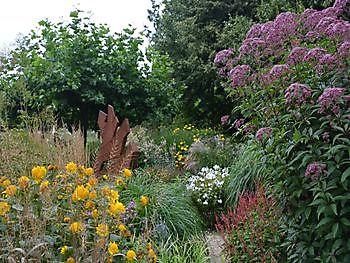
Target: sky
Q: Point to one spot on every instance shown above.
(20, 16)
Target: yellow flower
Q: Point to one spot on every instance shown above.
(93, 181)
(4, 208)
(116, 207)
(144, 200)
(176, 130)
(106, 191)
(70, 260)
(105, 176)
(80, 193)
(52, 167)
(71, 167)
(114, 196)
(89, 171)
(64, 250)
(152, 255)
(38, 173)
(122, 227)
(4, 181)
(130, 255)
(76, 227)
(23, 182)
(44, 186)
(127, 173)
(92, 195)
(113, 248)
(119, 181)
(10, 190)
(102, 230)
(94, 214)
(89, 205)
(66, 219)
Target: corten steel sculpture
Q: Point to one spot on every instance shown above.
(114, 155)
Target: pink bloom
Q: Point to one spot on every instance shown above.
(297, 93)
(343, 49)
(296, 55)
(339, 30)
(314, 54)
(315, 170)
(224, 119)
(222, 56)
(330, 98)
(278, 71)
(238, 123)
(239, 75)
(263, 132)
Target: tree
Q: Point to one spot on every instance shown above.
(79, 67)
(192, 31)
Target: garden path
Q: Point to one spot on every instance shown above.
(215, 244)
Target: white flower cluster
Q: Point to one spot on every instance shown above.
(207, 185)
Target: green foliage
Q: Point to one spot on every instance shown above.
(177, 250)
(171, 208)
(251, 230)
(247, 169)
(79, 67)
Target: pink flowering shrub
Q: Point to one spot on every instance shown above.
(291, 76)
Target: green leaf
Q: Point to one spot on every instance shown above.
(345, 221)
(334, 209)
(335, 228)
(345, 175)
(324, 221)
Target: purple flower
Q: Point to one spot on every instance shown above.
(222, 56)
(297, 93)
(314, 54)
(224, 119)
(296, 55)
(340, 4)
(324, 23)
(255, 31)
(331, 12)
(312, 35)
(286, 23)
(330, 98)
(238, 123)
(339, 30)
(315, 170)
(310, 18)
(239, 75)
(278, 71)
(130, 212)
(263, 132)
(343, 49)
(325, 136)
(252, 46)
(327, 61)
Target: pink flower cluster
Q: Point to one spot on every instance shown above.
(296, 55)
(239, 75)
(224, 119)
(297, 94)
(263, 132)
(329, 99)
(315, 170)
(222, 56)
(344, 50)
(238, 123)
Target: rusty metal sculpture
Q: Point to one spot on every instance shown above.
(114, 155)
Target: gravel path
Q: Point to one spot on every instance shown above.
(215, 244)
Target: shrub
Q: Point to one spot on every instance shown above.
(291, 79)
(251, 230)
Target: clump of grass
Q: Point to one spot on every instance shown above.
(176, 250)
(173, 211)
(246, 171)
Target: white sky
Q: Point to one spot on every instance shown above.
(20, 16)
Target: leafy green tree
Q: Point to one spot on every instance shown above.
(192, 31)
(79, 67)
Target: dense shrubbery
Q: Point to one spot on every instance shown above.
(251, 231)
(291, 78)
